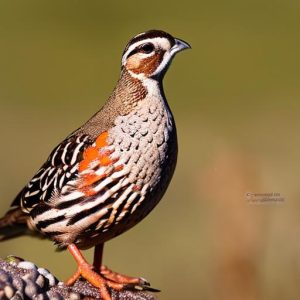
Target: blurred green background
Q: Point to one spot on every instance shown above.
(235, 97)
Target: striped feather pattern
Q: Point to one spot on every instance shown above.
(112, 171)
(53, 177)
(93, 190)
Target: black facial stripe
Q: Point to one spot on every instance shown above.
(143, 48)
(134, 51)
(148, 35)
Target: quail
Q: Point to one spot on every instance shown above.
(111, 172)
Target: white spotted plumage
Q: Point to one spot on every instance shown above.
(130, 171)
(110, 173)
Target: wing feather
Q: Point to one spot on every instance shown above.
(60, 167)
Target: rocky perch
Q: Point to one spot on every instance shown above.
(21, 279)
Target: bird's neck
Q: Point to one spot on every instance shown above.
(131, 90)
(127, 95)
(128, 92)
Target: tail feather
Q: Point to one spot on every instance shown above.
(13, 224)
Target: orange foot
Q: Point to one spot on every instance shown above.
(124, 279)
(106, 279)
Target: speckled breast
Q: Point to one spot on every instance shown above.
(144, 143)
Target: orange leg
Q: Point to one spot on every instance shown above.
(86, 271)
(113, 276)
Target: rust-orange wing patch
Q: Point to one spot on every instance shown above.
(95, 157)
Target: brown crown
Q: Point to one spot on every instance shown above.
(148, 35)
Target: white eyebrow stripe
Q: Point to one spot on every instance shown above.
(162, 42)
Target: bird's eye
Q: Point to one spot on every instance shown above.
(147, 48)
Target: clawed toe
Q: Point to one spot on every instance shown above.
(122, 282)
(149, 289)
(143, 281)
(123, 279)
(105, 279)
